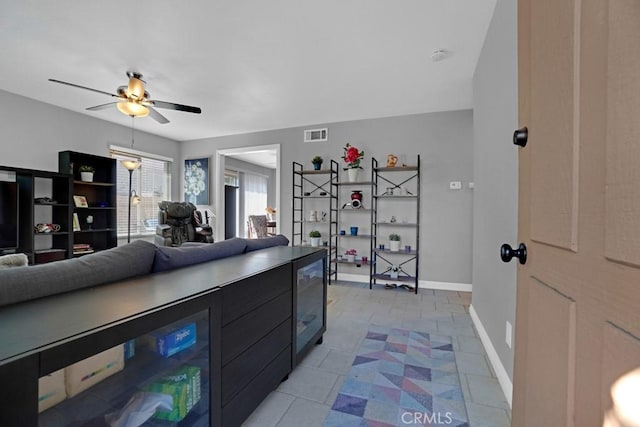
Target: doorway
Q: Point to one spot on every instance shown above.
(264, 156)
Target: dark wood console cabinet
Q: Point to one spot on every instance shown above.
(244, 310)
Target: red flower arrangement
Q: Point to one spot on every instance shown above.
(352, 156)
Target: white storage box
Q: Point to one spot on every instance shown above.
(51, 390)
(90, 371)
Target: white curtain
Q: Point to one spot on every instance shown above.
(255, 195)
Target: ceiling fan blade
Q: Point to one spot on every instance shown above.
(83, 87)
(153, 113)
(179, 107)
(102, 106)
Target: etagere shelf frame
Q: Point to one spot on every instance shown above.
(384, 260)
(315, 188)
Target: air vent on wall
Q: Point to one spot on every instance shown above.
(316, 135)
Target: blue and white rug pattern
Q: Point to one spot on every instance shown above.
(400, 378)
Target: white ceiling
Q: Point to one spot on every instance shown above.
(250, 65)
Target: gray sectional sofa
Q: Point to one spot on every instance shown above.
(132, 260)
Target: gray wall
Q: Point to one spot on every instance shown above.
(33, 132)
(495, 204)
(444, 141)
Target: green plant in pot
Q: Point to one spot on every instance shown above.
(86, 173)
(315, 235)
(317, 162)
(394, 242)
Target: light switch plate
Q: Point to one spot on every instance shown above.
(455, 185)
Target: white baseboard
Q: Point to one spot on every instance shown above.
(498, 367)
(425, 284)
(445, 286)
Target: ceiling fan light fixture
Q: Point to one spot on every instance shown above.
(133, 109)
(135, 89)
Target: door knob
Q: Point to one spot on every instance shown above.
(507, 253)
(520, 136)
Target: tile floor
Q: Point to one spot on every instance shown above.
(306, 397)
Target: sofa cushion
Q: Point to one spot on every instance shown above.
(266, 242)
(122, 262)
(168, 258)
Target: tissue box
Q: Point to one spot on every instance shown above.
(183, 385)
(51, 390)
(170, 342)
(90, 371)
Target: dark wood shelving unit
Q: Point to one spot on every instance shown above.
(101, 195)
(33, 184)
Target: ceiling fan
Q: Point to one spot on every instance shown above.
(133, 100)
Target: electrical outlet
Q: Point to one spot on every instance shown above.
(455, 185)
(509, 333)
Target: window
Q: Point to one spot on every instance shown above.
(255, 194)
(151, 182)
(231, 178)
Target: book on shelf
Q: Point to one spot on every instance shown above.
(76, 222)
(82, 251)
(82, 248)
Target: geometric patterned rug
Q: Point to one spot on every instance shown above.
(400, 378)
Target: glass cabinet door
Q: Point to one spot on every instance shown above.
(157, 379)
(310, 294)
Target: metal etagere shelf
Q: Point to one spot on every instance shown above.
(351, 215)
(317, 190)
(403, 265)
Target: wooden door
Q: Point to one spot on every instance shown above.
(578, 298)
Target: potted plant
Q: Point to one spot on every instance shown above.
(315, 238)
(352, 157)
(317, 162)
(394, 242)
(86, 173)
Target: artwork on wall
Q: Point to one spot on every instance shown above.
(196, 181)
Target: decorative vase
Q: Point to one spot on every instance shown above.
(86, 176)
(356, 195)
(353, 174)
(316, 166)
(315, 241)
(351, 258)
(394, 245)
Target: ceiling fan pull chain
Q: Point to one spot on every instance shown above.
(132, 127)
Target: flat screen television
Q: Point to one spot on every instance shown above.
(8, 215)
